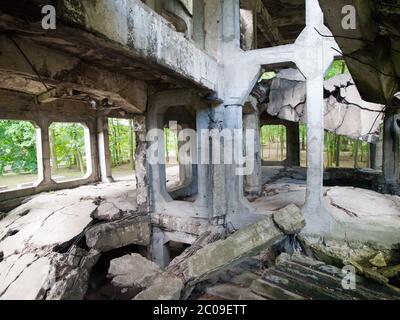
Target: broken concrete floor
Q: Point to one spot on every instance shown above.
(359, 215)
(50, 244)
(88, 243)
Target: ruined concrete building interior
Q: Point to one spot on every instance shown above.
(199, 150)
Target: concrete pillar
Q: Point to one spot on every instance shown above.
(90, 152)
(198, 23)
(231, 23)
(293, 144)
(142, 186)
(185, 169)
(315, 144)
(376, 155)
(156, 158)
(104, 149)
(187, 165)
(253, 182)
(313, 61)
(44, 157)
(235, 181)
(391, 131)
(159, 248)
(203, 156)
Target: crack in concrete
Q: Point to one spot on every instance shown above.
(17, 277)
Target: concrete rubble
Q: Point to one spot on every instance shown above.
(133, 271)
(201, 229)
(50, 244)
(206, 261)
(164, 287)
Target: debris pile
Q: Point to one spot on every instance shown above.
(50, 244)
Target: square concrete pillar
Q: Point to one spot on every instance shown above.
(391, 131)
(198, 23)
(253, 182)
(159, 248)
(43, 146)
(104, 149)
(203, 155)
(142, 185)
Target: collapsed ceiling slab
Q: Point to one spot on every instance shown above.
(346, 113)
(372, 48)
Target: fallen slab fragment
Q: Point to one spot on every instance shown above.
(108, 211)
(108, 236)
(165, 287)
(315, 280)
(390, 272)
(244, 243)
(290, 220)
(378, 261)
(231, 292)
(133, 271)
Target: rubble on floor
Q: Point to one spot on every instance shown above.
(133, 271)
(379, 265)
(293, 277)
(164, 287)
(358, 215)
(52, 253)
(50, 244)
(211, 253)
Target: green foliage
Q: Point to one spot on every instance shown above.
(338, 67)
(171, 144)
(121, 133)
(68, 141)
(17, 146)
(267, 76)
(272, 133)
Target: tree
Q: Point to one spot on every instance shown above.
(17, 146)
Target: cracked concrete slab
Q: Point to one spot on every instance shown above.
(358, 214)
(39, 239)
(28, 285)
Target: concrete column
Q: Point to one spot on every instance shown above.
(104, 149)
(315, 144)
(314, 57)
(376, 155)
(231, 23)
(253, 182)
(187, 166)
(198, 23)
(391, 131)
(44, 157)
(156, 147)
(293, 144)
(159, 249)
(142, 186)
(233, 180)
(203, 156)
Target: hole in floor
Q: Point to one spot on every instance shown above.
(100, 286)
(176, 249)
